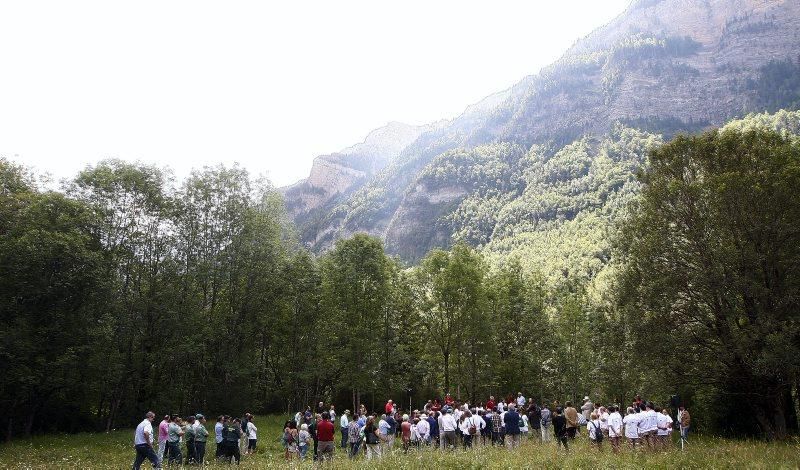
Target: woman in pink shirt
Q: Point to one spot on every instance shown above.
(163, 430)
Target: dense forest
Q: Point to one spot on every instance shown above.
(618, 266)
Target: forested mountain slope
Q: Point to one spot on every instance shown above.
(548, 162)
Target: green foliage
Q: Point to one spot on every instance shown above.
(711, 259)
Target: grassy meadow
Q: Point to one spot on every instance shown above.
(114, 450)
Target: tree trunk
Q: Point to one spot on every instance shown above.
(771, 418)
(446, 372)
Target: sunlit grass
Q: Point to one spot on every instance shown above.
(114, 450)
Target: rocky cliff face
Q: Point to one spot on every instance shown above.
(335, 174)
(663, 66)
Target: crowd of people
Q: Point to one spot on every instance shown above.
(448, 424)
(232, 436)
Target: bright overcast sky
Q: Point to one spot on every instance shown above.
(267, 84)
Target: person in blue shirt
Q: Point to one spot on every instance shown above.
(434, 424)
(512, 420)
(392, 430)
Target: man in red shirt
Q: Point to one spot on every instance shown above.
(389, 408)
(490, 404)
(325, 438)
(448, 400)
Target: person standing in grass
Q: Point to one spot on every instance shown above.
(424, 429)
(200, 438)
(664, 422)
(684, 420)
(303, 441)
(497, 428)
(587, 408)
(384, 428)
(631, 423)
(571, 415)
(353, 438)
(372, 438)
(594, 431)
(252, 437)
(173, 440)
(523, 428)
(232, 434)
(468, 430)
(433, 424)
(546, 419)
(312, 429)
(291, 440)
(325, 434)
(143, 442)
(512, 425)
(218, 427)
(188, 437)
(405, 433)
(343, 425)
(648, 426)
(535, 420)
(614, 428)
(560, 428)
(520, 401)
(163, 430)
(448, 427)
(486, 434)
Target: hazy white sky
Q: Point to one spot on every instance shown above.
(267, 84)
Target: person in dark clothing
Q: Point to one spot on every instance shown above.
(560, 428)
(231, 434)
(512, 420)
(433, 422)
(188, 437)
(312, 429)
(486, 432)
(535, 419)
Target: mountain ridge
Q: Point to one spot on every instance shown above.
(661, 67)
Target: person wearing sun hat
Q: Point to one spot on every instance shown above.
(588, 406)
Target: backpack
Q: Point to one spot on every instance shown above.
(598, 434)
(472, 428)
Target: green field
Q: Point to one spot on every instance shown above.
(113, 450)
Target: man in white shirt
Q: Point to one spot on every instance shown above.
(448, 426)
(664, 421)
(631, 423)
(344, 422)
(424, 429)
(614, 428)
(143, 443)
(648, 425)
(520, 401)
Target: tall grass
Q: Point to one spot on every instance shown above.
(114, 450)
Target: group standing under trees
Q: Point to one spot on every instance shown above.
(121, 262)
(449, 424)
